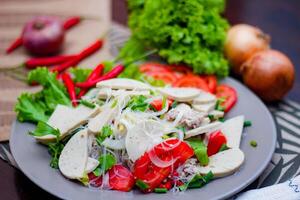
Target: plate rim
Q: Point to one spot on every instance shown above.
(230, 193)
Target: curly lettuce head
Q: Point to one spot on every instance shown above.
(184, 31)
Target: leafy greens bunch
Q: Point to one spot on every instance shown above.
(183, 31)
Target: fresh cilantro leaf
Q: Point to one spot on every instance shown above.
(55, 149)
(43, 129)
(138, 103)
(106, 131)
(106, 162)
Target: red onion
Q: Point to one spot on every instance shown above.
(43, 35)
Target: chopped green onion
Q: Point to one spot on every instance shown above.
(164, 102)
(160, 190)
(222, 119)
(174, 104)
(141, 184)
(211, 117)
(247, 123)
(218, 104)
(223, 147)
(87, 103)
(253, 143)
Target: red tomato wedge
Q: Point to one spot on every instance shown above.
(157, 104)
(229, 94)
(211, 82)
(121, 178)
(215, 142)
(192, 81)
(170, 153)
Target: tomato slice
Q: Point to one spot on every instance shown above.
(95, 181)
(167, 77)
(192, 81)
(215, 142)
(212, 82)
(169, 150)
(229, 94)
(120, 178)
(157, 104)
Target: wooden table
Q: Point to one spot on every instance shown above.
(279, 18)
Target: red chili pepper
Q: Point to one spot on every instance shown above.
(82, 55)
(215, 142)
(111, 74)
(70, 87)
(71, 22)
(47, 61)
(17, 43)
(96, 73)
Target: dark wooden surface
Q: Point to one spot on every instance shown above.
(279, 18)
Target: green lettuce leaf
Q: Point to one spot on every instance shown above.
(80, 74)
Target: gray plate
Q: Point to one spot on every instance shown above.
(33, 159)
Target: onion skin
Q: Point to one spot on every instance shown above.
(270, 74)
(242, 42)
(43, 36)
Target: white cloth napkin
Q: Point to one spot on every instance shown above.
(289, 190)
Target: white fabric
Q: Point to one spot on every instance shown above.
(289, 190)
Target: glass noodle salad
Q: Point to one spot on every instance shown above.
(127, 134)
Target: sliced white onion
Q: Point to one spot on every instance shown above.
(117, 144)
(158, 162)
(105, 182)
(177, 119)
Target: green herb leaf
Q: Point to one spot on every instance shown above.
(106, 131)
(55, 149)
(43, 129)
(137, 103)
(106, 162)
(29, 108)
(39, 106)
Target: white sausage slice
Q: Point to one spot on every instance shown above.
(204, 98)
(73, 159)
(123, 83)
(91, 165)
(233, 129)
(214, 126)
(223, 163)
(180, 94)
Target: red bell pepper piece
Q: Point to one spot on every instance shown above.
(215, 142)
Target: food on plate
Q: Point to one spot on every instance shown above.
(43, 35)
(242, 42)
(270, 74)
(127, 133)
(194, 36)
